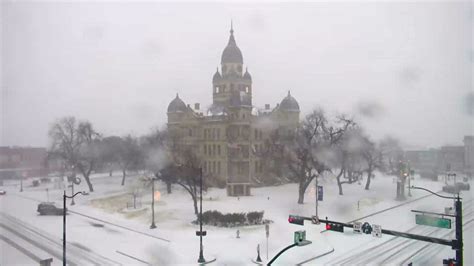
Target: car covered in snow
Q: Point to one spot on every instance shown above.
(463, 186)
(49, 208)
(451, 189)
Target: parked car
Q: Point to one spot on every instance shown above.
(48, 208)
(463, 186)
(3, 192)
(451, 189)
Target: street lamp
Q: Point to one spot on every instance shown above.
(201, 233)
(64, 221)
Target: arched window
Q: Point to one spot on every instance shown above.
(217, 89)
(247, 89)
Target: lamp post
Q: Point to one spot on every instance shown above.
(201, 233)
(64, 221)
(153, 225)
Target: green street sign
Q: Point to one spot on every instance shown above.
(432, 221)
(299, 236)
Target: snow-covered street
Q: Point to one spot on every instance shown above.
(100, 230)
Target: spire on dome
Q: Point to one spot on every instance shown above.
(232, 53)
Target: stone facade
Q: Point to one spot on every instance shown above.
(228, 135)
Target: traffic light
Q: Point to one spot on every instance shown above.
(293, 219)
(335, 227)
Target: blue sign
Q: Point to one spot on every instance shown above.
(320, 193)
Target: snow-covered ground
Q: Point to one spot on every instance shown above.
(102, 230)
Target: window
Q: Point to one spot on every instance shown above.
(205, 149)
(205, 166)
(256, 133)
(214, 166)
(214, 149)
(260, 134)
(256, 167)
(247, 89)
(190, 132)
(218, 167)
(239, 168)
(217, 89)
(218, 133)
(219, 150)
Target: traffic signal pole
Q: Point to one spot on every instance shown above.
(459, 248)
(451, 243)
(456, 244)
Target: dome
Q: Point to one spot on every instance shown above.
(177, 105)
(247, 75)
(232, 53)
(217, 77)
(289, 104)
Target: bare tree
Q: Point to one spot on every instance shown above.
(77, 143)
(373, 159)
(348, 157)
(311, 150)
(130, 155)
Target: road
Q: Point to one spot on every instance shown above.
(32, 238)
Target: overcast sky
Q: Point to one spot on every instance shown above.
(403, 69)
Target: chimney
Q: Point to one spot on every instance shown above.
(196, 106)
(267, 106)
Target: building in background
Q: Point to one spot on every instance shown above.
(16, 162)
(228, 135)
(457, 159)
(469, 155)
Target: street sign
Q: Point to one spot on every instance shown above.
(198, 233)
(267, 230)
(357, 227)
(315, 220)
(320, 193)
(300, 238)
(377, 230)
(432, 221)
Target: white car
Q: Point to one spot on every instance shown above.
(3, 192)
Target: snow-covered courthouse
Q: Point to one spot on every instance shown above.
(229, 135)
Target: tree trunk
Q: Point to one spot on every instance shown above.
(301, 190)
(86, 177)
(196, 211)
(369, 175)
(300, 196)
(339, 183)
(168, 187)
(124, 174)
